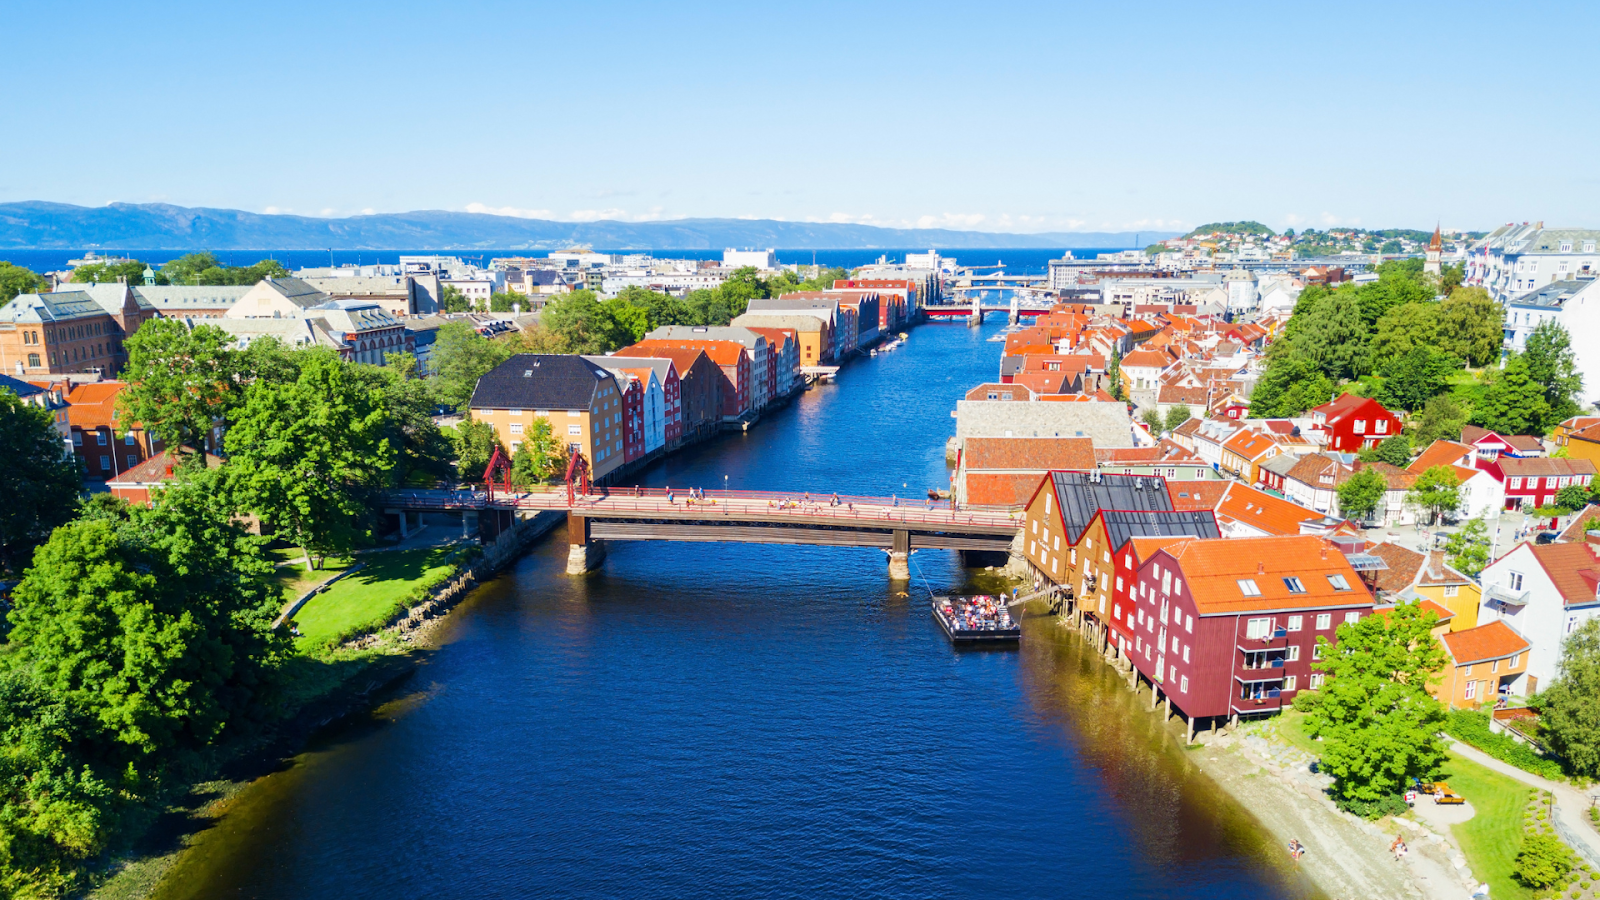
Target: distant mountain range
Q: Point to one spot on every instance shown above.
(40, 225)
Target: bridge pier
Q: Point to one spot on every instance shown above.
(584, 553)
(900, 557)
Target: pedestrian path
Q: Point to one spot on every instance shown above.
(1572, 805)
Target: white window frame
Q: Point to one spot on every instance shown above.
(1324, 621)
(1295, 623)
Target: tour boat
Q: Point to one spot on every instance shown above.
(981, 619)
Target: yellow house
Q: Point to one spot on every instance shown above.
(1429, 578)
(1576, 423)
(1482, 661)
(1583, 443)
(580, 400)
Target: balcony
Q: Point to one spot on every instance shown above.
(1270, 671)
(1268, 702)
(1275, 640)
(1506, 595)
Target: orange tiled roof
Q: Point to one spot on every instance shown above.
(1249, 444)
(1573, 568)
(723, 353)
(1440, 453)
(1264, 511)
(987, 489)
(95, 405)
(1031, 454)
(1015, 391)
(1214, 568)
(1495, 640)
(1404, 564)
(1580, 526)
(156, 469)
(1197, 494)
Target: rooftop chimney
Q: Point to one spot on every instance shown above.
(1261, 568)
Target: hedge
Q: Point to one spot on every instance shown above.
(1472, 727)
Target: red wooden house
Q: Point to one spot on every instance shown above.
(1352, 422)
(1533, 482)
(1229, 627)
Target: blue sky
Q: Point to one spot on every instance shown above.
(995, 116)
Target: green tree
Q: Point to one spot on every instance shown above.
(268, 359)
(1334, 336)
(1394, 450)
(539, 457)
(660, 309)
(586, 324)
(304, 454)
(205, 268)
(460, 357)
(1442, 419)
(503, 302)
(58, 804)
(1375, 715)
(16, 280)
(1114, 372)
(180, 380)
(1554, 367)
(158, 627)
(1468, 549)
(1361, 494)
(1450, 277)
(451, 300)
(131, 271)
(39, 480)
(1291, 385)
(1572, 498)
(421, 452)
(1513, 403)
(1544, 862)
(1415, 377)
(1570, 707)
(1437, 490)
(1402, 329)
(1177, 415)
(1399, 283)
(1471, 326)
(475, 443)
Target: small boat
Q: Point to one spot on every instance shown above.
(981, 619)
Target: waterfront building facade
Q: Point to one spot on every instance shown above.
(582, 402)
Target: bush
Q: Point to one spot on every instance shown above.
(1392, 805)
(1472, 727)
(1306, 701)
(1543, 862)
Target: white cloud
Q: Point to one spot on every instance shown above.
(273, 211)
(510, 211)
(368, 211)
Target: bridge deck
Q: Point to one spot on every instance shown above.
(753, 517)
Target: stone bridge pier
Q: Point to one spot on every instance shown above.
(584, 552)
(900, 557)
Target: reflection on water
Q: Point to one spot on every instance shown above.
(748, 720)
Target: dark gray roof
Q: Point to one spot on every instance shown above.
(1011, 365)
(20, 388)
(539, 381)
(1122, 525)
(1082, 494)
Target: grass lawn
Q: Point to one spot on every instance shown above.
(1494, 835)
(370, 595)
(1290, 725)
(293, 580)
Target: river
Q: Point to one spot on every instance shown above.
(704, 720)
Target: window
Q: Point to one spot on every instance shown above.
(1177, 587)
(33, 360)
(1572, 623)
(1257, 628)
(1175, 644)
(1494, 666)
(574, 429)
(1451, 590)
(1316, 680)
(1294, 622)
(1472, 690)
(1188, 624)
(1361, 426)
(1338, 581)
(100, 438)
(1166, 583)
(105, 463)
(516, 427)
(1350, 618)
(516, 412)
(1382, 425)
(1289, 682)
(1293, 654)
(1119, 583)
(77, 439)
(1248, 587)
(1294, 585)
(1185, 654)
(1515, 658)
(1035, 524)
(1324, 621)
(1514, 580)
(1316, 651)
(1516, 484)
(573, 412)
(1183, 685)
(1057, 544)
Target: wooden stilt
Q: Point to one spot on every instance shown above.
(1168, 714)
(1189, 732)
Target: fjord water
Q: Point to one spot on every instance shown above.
(703, 720)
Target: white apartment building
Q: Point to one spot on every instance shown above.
(1516, 259)
(1544, 592)
(760, 259)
